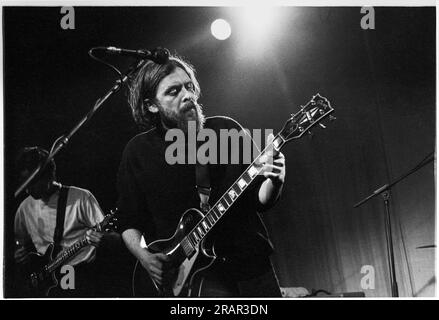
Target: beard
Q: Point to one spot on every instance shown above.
(192, 111)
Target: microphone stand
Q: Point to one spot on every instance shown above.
(384, 191)
(62, 141)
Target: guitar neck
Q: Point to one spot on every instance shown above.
(71, 251)
(67, 254)
(200, 231)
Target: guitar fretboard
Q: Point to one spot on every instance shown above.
(67, 254)
(217, 211)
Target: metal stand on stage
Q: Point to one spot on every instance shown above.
(62, 141)
(385, 192)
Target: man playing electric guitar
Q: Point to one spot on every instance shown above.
(153, 194)
(37, 219)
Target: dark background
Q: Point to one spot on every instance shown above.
(381, 83)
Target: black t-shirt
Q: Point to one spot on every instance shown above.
(154, 194)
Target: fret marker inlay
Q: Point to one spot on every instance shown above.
(252, 171)
(221, 208)
(242, 184)
(232, 194)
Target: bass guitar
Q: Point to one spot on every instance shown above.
(41, 271)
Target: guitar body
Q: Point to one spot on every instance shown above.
(38, 280)
(190, 267)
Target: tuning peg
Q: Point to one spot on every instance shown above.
(322, 125)
(332, 118)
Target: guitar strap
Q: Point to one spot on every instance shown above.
(60, 217)
(203, 186)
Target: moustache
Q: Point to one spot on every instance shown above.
(188, 106)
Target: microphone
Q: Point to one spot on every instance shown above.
(158, 55)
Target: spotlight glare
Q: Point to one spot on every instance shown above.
(221, 29)
(259, 20)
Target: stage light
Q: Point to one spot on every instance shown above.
(221, 29)
(258, 30)
(259, 21)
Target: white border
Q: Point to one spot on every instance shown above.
(225, 3)
(206, 3)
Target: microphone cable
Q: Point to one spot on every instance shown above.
(112, 67)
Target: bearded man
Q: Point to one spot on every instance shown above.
(153, 194)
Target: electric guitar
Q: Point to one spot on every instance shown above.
(41, 271)
(187, 248)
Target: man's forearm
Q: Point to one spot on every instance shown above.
(269, 193)
(132, 238)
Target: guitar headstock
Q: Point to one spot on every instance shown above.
(109, 223)
(317, 109)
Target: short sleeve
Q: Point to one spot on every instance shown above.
(20, 230)
(92, 212)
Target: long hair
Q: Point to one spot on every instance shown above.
(143, 86)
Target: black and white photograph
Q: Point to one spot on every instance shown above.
(265, 150)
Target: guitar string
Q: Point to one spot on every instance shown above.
(74, 248)
(224, 194)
